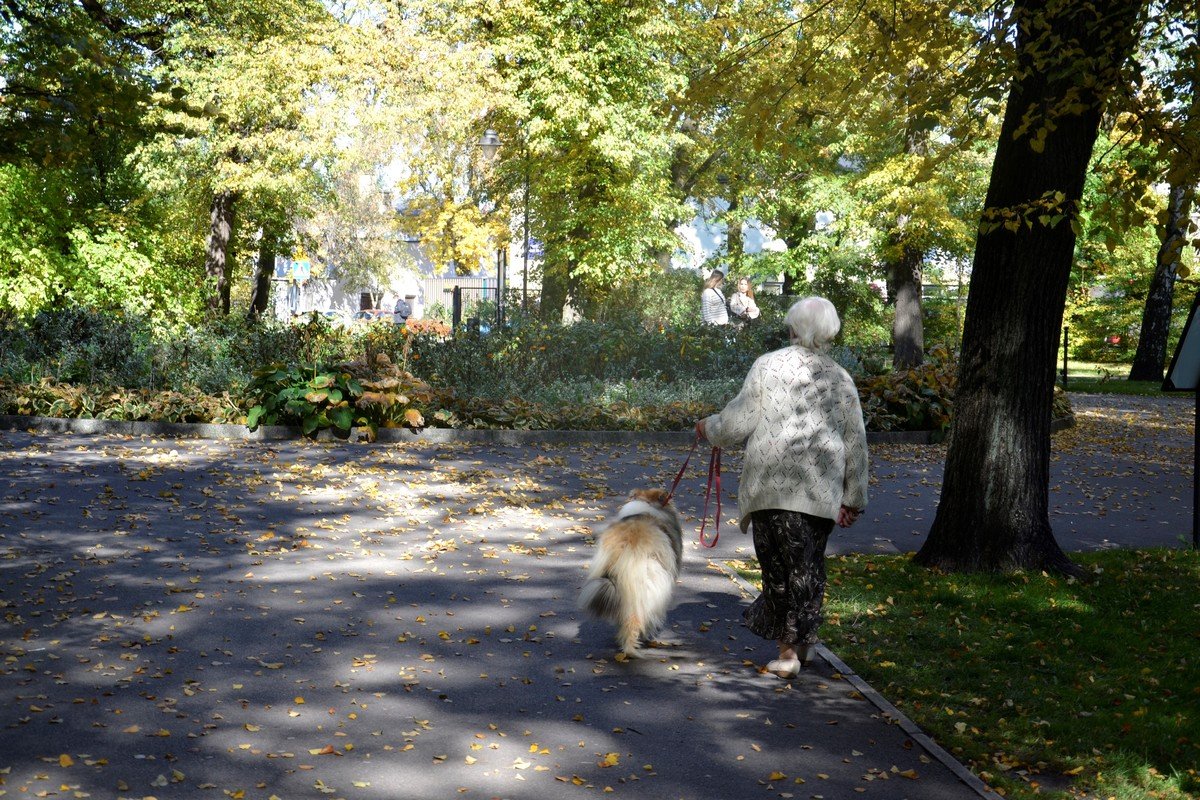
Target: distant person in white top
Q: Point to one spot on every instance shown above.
(712, 301)
(805, 466)
(742, 305)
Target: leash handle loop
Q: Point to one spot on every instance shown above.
(714, 479)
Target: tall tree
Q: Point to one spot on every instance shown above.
(862, 97)
(1151, 355)
(76, 78)
(253, 81)
(436, 105)
(217, 254)
(587, 86)
(1178, 106)
(994, 508)
(78, 225)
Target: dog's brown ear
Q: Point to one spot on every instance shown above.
(656, 496)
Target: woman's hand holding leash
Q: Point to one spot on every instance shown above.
(846, 516)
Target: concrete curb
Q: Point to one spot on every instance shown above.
(185, 430)
(888, 710)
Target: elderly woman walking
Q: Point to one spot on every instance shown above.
(805, 467)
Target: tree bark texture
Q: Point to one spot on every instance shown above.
(554, 293)
(218, 252)
(1151, 356)
(904, 291)
(994, 508)
(735, 246)
(684, 174)
(794, 229)
(264, 270)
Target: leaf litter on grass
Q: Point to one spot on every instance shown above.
(1038, 683)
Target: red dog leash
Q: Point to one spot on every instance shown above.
(714, 477)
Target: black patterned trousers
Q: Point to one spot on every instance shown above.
(791, 553)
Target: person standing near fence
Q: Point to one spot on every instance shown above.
(403, 310)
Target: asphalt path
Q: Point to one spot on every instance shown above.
(200, 618)
(1120, 477)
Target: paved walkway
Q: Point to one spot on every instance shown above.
(191, 618)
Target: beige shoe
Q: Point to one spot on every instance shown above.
(805, 653)
(784, 667)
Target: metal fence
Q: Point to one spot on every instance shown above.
(474, 298)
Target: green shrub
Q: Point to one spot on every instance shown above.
(48, 398)
(663, 299)
(912, 400)
(314, 398)
(531, 353)
(80, 345)
(307, 396)
(622, 373)
(922, 398)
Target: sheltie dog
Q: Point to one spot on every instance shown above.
(638, 556)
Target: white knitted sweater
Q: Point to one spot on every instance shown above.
(806, 445)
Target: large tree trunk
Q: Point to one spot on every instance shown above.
(218, 252)
(264, 270)
(905, 265)
(684, 174)
(735, 245)
(554, 291)
(794, 229)
(1151, 355)
(904, 292)
(994, 509)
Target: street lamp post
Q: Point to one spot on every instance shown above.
(490, 144)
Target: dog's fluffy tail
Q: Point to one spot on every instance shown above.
(599, 597)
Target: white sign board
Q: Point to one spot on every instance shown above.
(1184, 373)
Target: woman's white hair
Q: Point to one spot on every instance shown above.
(812, 322)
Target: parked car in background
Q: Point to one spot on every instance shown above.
(368, 315)
(335, 318)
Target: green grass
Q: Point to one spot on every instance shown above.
(1090, 377)
(1115, 386)
(1040, 684)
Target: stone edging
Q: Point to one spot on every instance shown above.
(889, 711)
(393, 435)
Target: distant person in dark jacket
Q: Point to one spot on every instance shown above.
(403, 310)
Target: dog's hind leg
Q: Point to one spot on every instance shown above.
(628, 632)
